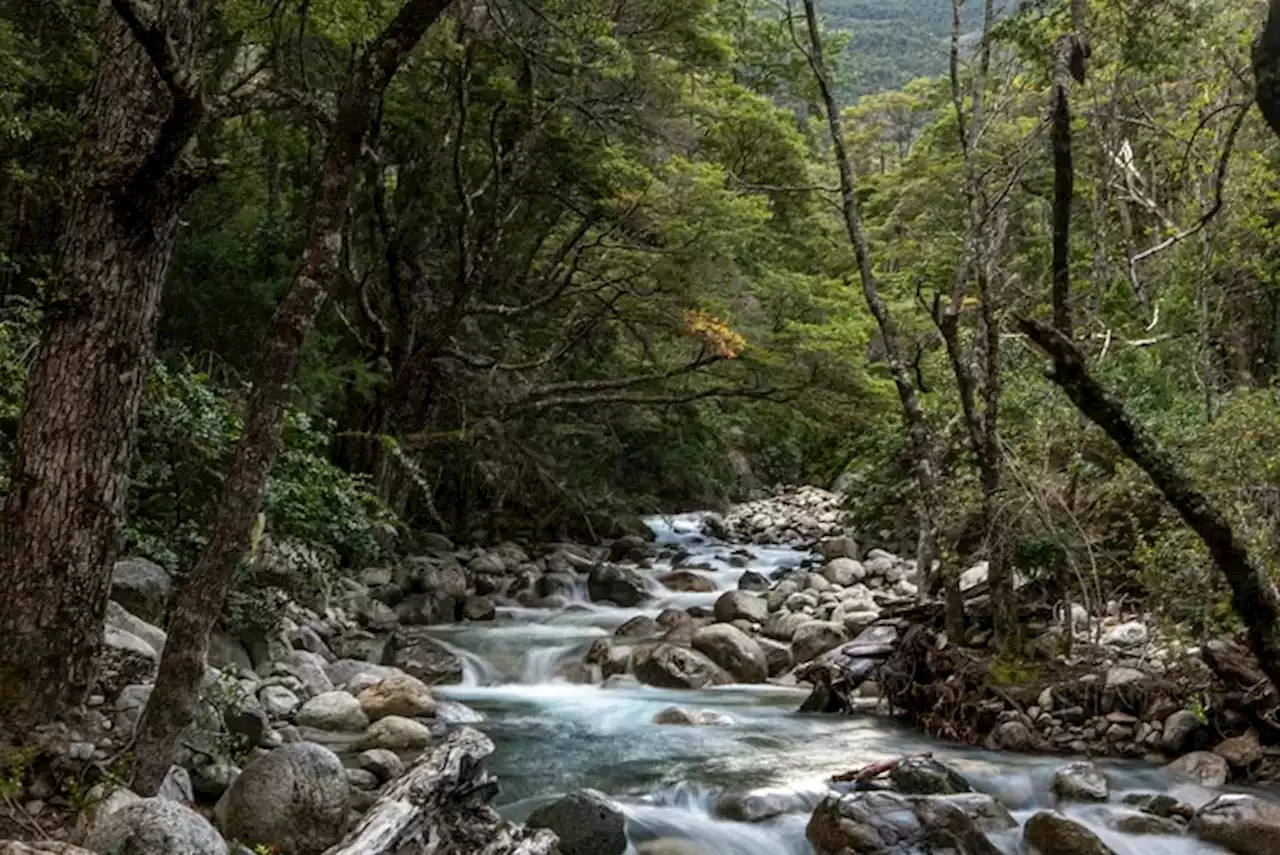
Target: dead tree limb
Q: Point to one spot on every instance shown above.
(440, 802)
(1253, 596)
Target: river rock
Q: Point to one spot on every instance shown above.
(844, 571)
(740, 605)
(333, 711)
(814, 638)
(1178, 728)
(687, 581)
(1054, 834)
(777, 656)
(1081, 782)
(640, 626)
(476, 607)
(752, 581)
(356, 675)
(832, 548)
(1240, 752)
(154, 827)
(587, 822)
(384, 764)
(782, 625)
(397, 733)
(670, 667)
(1131, 634)
(414, 651)
(621, 586)
(1137, 822)
(120, 618)
(294, 798)
(1206, 768)
(682, 717)
(884, 823)
(1120, 677)
(307, 667)
(141, 586)
(210, 780)
(924, 776)
(1243, 824)
(278, 702)
(401, 695)
(734, 651)
(761, 805)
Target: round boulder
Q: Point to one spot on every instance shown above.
(154, 827)
(621, 586)
(741, 605)
(1080, 782)
(734, 651)
(1054, 834)
(397, 733)
(294, 799)
(1243, 824)
(400, 695)
(414, 651)
(817, 637)
(587, 822)
(670, 667)
(333, 711)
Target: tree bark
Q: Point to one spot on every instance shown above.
(204, 590)
(1253, 596)
(1266, 68)
(59, 529)
(922, 444)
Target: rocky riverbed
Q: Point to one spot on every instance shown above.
(664, 677)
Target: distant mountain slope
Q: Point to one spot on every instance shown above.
(894, 41)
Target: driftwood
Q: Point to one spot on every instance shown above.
(440, 806)
(875, 770)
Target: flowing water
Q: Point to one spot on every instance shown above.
(553, 736)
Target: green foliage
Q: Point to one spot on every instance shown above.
(320, 516)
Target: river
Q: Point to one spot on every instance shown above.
(553, 736)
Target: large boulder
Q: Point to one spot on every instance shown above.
(670, 667)
(734, 651)
(885, 823)
(306, 667)
(1054, 834)
(1080, 782)
(587, 823)
(924, 776)
(741, 605)
(816, 637)
(333, 711)
(141, 586)
(415, 652)
(294, 798)
(1206, 768)
(1246, 825)
(1178, 729)
(154, 827)
(621, 586)
(401, 695)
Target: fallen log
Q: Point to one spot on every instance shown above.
(875, 770)
(440, 806)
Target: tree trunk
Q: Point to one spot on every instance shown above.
(60, 526)
(922, 445)
(204, 590)
(1253, 596)
(1266, 68)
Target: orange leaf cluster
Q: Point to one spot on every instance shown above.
(715, 332)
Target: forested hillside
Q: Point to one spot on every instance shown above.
(891, 42)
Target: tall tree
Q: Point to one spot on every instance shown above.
(923, 451)
(204, 590)
(60, 526)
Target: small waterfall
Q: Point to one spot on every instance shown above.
(685, 812)
(541, 663)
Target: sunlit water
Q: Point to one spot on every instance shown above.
(553, 736)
